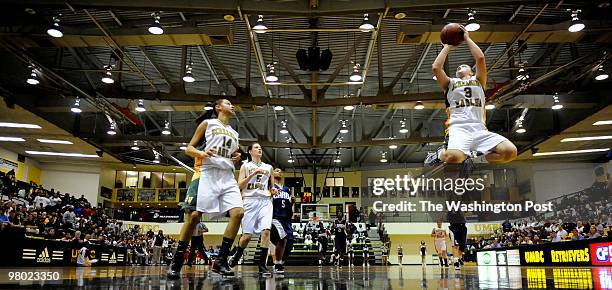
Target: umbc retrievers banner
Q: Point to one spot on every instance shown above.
(595, 252)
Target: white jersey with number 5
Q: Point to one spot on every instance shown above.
(257, 186)
(465, 100)
(224, 140)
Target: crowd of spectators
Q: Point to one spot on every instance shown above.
(48, 214)
(586, 214)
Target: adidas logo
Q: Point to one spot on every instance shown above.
(44, 257)
(113, 260)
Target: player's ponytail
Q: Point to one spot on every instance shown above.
(207, 114)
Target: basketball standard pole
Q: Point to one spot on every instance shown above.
(314, 180)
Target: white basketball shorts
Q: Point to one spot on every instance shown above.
(440, 245)
(472, 137)
(257, 215)
(218, 192)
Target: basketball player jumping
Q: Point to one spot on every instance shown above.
(465, 100)
(282, 232)
(216, 192)
(254, 181)
(439, 235)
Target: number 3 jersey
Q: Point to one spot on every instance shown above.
(465, 100)
(224, 140)
(257, 186)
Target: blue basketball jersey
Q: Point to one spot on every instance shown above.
(281, 203)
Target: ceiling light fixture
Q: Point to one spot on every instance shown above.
(208, 107)
(183, 146)
(76, 107)
(577, 24)
(271, 77)
(259, 26)
(556, 103)
(108, 76)
(156, 27)
(278, 108)
(490, 106)
(591, 138)
(601, 74)
(355, 77)
(283, 129)
(166, 130)
(392, 146)
(344, 129)
(50, 141)
(112, 130)
(403, 128)
(383, 157)
(349, 107)
(472, 24)
(62, 154)
(157, 158)
(12, 139)
(598, 123)
(366, 26)
(572, 152)
(135, 146)
(522, 73)
(19, 125)
(188, 77)
(140, 106)
(419, 105)
(55, 30)
(33, 78)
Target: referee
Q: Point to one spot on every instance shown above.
(458, 236)
(197, 243)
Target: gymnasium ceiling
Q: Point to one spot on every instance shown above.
(229, 61)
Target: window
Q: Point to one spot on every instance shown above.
(156, 179)
(131, 179)
(120, 179)
(334, 181)
(144, 180)
(168, 180)
(181, 180)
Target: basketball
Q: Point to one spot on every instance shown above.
(451, 34)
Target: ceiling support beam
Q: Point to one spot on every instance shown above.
(340, 66)
(286, 65)
(226, 73)
(271, 7)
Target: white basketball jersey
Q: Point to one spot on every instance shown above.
(465, 101)
(224, 140)
(257, 186)
(439, 234)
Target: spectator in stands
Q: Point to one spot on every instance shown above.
(576, 235)
(371, 219)
(561, 232)
(69, 217)
(157, 247)
(506, 226)
(5, 215)
(593, 233)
